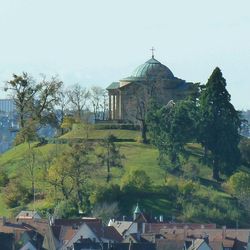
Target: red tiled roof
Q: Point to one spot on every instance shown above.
(111, 233)
(77, 222)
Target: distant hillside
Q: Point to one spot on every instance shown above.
(190, 195)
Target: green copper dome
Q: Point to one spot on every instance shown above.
(152, 69)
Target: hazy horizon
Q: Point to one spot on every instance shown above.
(98, 42)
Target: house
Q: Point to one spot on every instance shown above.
(28, 215)
(87, 244)
(198, 244)
(64, 233)
(7, 241)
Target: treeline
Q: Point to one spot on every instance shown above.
(208, 118)
(47, 102)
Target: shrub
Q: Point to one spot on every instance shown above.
(3, 178)
(106, 211)
(191, 171)
(107, 193)
(65, 209)
(239, 182)
(136, 180)
(16, 194)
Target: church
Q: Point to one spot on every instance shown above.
(129, 97)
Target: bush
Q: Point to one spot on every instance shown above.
(136, 180)
(106, 211)
(107, 193)
(65, 209)
(187, 188)
(239, 182)
(3, 178)
(191, 171)
(15, 194)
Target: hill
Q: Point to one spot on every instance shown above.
(189, 195)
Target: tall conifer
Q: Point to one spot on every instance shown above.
(219, 125)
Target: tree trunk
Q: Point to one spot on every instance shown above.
(144, 132)
(205, 154)
(108, 170)
(216, 169)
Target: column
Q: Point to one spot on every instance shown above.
(118, 106)
(110, 114)
(113, 113)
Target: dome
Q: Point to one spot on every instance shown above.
(150, 70)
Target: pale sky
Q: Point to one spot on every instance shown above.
(96, 42)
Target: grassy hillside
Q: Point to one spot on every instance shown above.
(199, 199)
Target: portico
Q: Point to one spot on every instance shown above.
(115, 104)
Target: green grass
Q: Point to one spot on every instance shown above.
(137, 156)
(91, 133)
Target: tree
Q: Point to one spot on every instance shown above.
(97, 100)
(239, 183)
(34, 100)
(48, 96)
(78, 97)
(244, 147)
(219, 125)
(30, 167)
(26, 133)
(71, 173)
(105, 211)
(171, 127)
(110, 156)
(23, 91)
(15, 193)
(136, 180)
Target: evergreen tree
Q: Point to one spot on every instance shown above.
(219, 125)
(171, 127)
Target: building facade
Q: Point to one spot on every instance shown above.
(129, 97)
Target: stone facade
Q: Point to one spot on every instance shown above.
(129, 98)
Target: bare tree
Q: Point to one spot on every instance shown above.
(78, 98)
(99, 102)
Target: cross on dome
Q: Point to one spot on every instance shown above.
(152, 49)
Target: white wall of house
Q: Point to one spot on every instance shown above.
(84, 231)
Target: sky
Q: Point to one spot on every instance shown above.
(96, 42)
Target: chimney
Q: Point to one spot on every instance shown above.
(224, 229)
(206, 238)
(123, 217)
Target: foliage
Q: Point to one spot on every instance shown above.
(67, 122)
(191, 170)
(105, 211)
(34, 100)
(219, 125)
(71, 173)
(110, 155)
(15, 193)
(105, 193)
(26, 133)
(135, 180)
(65, 209)
(171, 127)
(3, 177)
(244, 147)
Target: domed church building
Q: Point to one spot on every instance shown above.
(129, 98)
